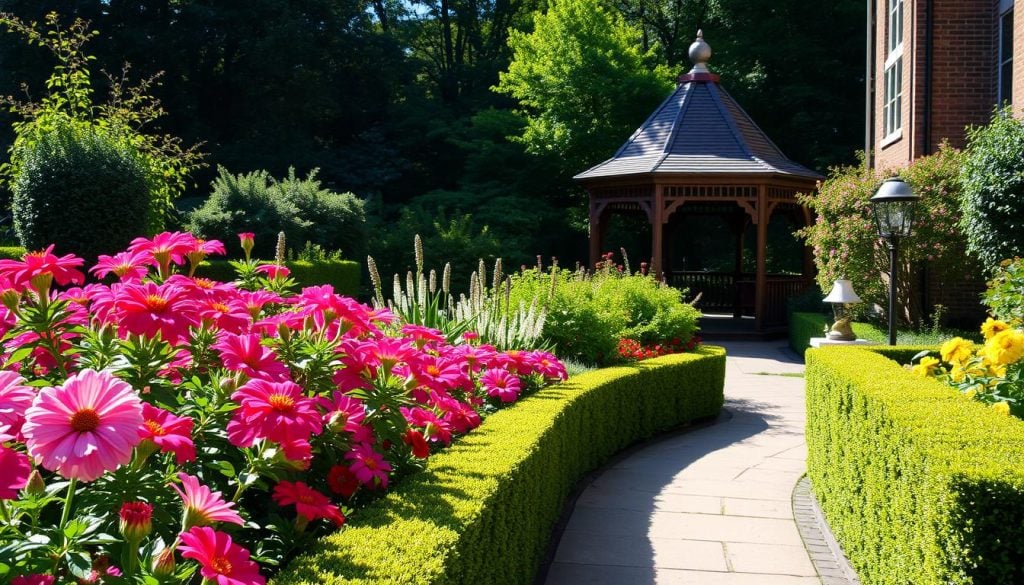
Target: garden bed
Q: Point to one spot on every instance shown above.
(919, 483)
(483, 510)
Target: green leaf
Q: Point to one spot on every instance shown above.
(79, 563)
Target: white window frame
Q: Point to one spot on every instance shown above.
(1005, 9)
(892, 93)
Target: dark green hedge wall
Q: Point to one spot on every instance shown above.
(919, 483)
(482, 512)
(343, 275)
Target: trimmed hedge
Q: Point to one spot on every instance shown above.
(804, 326)
(483, 510)
(15, 252)
(343, 275)
(919, 483)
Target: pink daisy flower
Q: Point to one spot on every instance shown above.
(39, 269)
(169, 433)
(202, 505)
(342, 314)
(459, 415)
(128, 266)
(16, 468)
(273, 271)
(433, 427)
(202, 248)
(277, 411)
(148, 309)
(227, 315)
(422, 335)
(441, 374)
(368, 465)
(309, 503)
(255, 301)
(547, 365)
(499, 383)
(244, 353)
(163, 249)
(220, 560)
(346, 414)
(84, 428)
(15, 398)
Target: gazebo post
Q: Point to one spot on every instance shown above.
(597, 229)
(657, 231)
(761, 279)
(739, 225)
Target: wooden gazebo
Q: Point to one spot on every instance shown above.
(699, 152)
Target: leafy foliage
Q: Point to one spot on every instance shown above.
(306, 212)
(1005, 294)
(82, 186)
(993, 189)
(845, 240)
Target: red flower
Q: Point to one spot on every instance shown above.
(342, 481)
(136, 520)
(309, 503)
(419, 445)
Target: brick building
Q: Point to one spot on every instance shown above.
(935, 67)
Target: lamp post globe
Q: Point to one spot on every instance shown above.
(893, 205)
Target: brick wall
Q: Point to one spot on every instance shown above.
(896, 153)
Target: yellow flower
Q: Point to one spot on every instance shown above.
(926, 366)
(1002, 408)
(1005, 347)
(995, 371)
(971, 393)
(956, 350)
(992, 326)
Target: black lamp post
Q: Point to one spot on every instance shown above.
(894, 214)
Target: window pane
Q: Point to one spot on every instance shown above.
(1006, 40)
(1006, 82)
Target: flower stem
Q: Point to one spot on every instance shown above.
(67, 505)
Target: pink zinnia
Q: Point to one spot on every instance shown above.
(15, 398)
(84, 428)
(170, 433)
(148, 309)
(202, 248)
(255, 300)
(346, 414)
(499, 383)
(128, 266)
(202, 505)
(164, 248)
(244, 353)
(227, 315)
(16, 468)
(547, 365)
(277, 411)
(422, 335)
(39, 269)
(220, 559)
(433, 427)
(34, 579)
(368, 465)
(309, 503)
(461, 416)
(273, 271)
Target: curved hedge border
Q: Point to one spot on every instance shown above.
(483, 510)
(919, 483)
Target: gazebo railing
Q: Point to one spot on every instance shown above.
(729, 292)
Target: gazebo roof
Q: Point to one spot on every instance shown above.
(699, 129)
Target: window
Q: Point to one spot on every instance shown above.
(1005, 95)
(892, 96)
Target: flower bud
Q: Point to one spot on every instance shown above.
(337, 421)
(163, 564)
(35, 485)
(246, 239)
(136, 520)
(11, 299)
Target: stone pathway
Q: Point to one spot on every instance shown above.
(709, 507)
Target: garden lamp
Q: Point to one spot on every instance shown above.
(894, 215)
(841, 296)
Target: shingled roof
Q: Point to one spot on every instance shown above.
(699, 129)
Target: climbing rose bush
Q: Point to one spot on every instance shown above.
(164, 428)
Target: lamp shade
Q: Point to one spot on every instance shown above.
(842, 292)
(894, 204)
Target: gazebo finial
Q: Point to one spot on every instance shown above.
(700, 53)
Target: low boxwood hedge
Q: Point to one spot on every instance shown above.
(919, 483)
(482, 512)
(343, 275)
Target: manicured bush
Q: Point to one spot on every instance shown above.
(993, 189)
(301, 208)
(82, 186)
(343, 275)
(11, 252)
(919, 483)
(483, 510)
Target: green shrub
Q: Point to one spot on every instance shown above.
(845, 241)
(1005, 293)
(483, 510)
(587, 315)
(343, 275)
(82, 187)
(993, 189)
(919, 483)
(301, 208)
(12, 252)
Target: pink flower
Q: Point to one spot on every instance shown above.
(136, 520)
(220, 559)
(84, 428)
(228, 315)
(15, 398)
(39, 269)
(148, 309)
(368, 465)
(273, 271)
(441, 374)
(433, 427)
(277, 411)
(255, 301)
(203, 506)
(346, 414)
(170, 433)
(422, 335)
(460, 416)
(201, 248)
(164, 248)
(128, 266)
(244, 353)
(547, 365)
(309, 503)
(246, 239)
(342, 314)
(499, 383)
(16, 468)
(34, 579)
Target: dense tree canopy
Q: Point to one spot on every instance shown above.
(394, 100)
